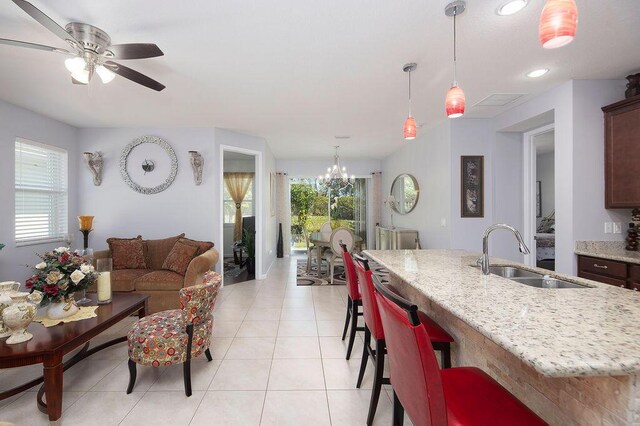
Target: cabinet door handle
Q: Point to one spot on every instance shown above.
(595, 265)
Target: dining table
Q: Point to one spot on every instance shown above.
(322, 240)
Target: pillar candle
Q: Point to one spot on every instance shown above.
(104, 287)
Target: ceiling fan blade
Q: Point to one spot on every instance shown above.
(135, 51)
(47, 22)
(134, 76)
(31, 45)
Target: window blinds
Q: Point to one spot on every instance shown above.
(41, 193)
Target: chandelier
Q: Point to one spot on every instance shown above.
(337, 171)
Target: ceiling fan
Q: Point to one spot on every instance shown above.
(91, 50)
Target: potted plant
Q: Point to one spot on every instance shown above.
(249, 243)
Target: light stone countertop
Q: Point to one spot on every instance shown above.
(559, 332)
(613, 250)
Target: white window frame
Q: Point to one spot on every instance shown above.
(58, 219)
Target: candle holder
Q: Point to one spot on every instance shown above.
(86, 226)
(104, 267)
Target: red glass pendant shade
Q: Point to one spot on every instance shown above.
(558, 23)
(455, 102)
(410, 128)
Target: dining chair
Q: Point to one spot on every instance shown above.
(334, 254)
(312, 252)
(326, 227)
(440, 339)
(178, 335)
(455, 396)
(354, 299)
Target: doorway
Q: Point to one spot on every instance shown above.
(540, 183)
(241, 213)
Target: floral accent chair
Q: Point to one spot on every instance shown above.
(178, 335)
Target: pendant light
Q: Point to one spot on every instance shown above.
(409, 130)
(455, 101)
(558, 23)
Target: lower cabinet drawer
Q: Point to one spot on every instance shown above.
(609, 268)
(602, 279)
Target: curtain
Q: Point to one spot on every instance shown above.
(360, 209)
(283, 210)
(238, 184)
(376, 197)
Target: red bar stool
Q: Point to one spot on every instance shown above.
(354, 299)
(455, 396)
(440, 339)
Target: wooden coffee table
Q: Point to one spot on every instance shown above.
(49, 345)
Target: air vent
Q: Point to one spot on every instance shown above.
(342, 137)
(499, 99)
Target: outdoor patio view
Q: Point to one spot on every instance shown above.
(316, 201)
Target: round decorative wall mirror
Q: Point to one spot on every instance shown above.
(405, 193)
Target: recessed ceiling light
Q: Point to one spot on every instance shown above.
(511, 7)
(537, 73)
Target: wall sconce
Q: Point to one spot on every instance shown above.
(94, 161)
(197, 163)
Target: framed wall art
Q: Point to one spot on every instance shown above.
(472, 186)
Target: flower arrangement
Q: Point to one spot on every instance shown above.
(60, 274)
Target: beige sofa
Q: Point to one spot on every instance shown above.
(159, 284)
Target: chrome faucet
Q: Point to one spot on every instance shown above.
(484, 259)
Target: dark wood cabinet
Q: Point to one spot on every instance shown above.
(622, 153)
(619, 274)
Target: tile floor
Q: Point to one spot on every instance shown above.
(278, 360)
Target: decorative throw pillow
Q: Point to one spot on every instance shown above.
(158, 250)
(202, 245)
(127, 253)
(179, 257)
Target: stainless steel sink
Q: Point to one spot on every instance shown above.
(532, 279)
(547, 283)
(513, 272)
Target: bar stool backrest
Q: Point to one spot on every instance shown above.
(350, 273)
(413, 368)
(369, 304)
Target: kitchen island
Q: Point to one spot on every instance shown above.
(571, 355)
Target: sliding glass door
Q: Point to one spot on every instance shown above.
(315, 201)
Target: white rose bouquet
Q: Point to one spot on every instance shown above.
(60, 274)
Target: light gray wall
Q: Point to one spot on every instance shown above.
(545, 174)
(183, 207)
(428, 159)
(19, 122)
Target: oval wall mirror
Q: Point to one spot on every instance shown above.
(405, 192)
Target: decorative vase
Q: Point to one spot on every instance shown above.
(6, 288)
(280, 245)
(64, 309)
(19, 315)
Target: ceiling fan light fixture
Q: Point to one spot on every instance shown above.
(558, 23)
(82, 76)
(106, 75)
(75, 65)
(511, 7)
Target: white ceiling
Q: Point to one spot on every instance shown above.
(298, 73)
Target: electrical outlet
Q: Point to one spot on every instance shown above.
(617, 228)
(608, 227)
